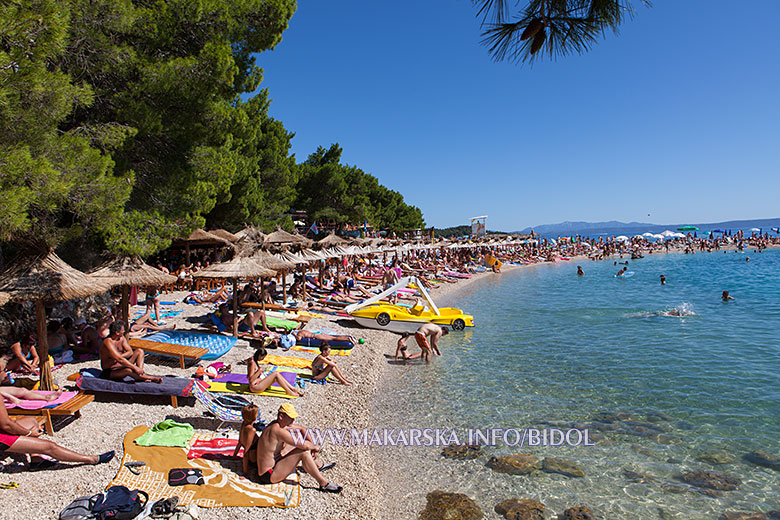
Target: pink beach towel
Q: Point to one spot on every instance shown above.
(37, 405)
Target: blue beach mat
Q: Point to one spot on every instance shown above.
(217, 345)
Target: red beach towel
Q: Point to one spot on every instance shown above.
(214, 449)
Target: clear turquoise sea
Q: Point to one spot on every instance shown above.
(552, 349)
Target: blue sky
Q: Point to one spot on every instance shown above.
(678, 116)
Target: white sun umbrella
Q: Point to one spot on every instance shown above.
(621, 238)
(668, 233)
(755, 230)
(647, 235)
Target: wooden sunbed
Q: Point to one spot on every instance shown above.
(169, 349)
(72, 407)
(299, 319)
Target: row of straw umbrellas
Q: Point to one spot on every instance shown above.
(43, 277)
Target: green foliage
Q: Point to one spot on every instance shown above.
(122, 124)
(332, 192)
(555, 27)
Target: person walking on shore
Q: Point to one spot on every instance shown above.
(426, 330)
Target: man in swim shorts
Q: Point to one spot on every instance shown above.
(119, 360)
(425, 331)
(279, 453)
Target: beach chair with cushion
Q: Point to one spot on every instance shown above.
(72, 407)
(89, 380)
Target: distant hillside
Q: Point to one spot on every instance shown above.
(633, 228)
(578, 227)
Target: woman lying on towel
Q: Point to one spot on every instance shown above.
(21, 436)
(16, 394)
(208, 297)
(258, 383)
(322, 366)
(300, 334)
(145, 323)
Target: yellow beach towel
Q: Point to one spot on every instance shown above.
(224, 487)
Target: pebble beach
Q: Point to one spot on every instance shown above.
(105, 421)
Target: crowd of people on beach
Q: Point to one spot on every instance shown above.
(274, 451)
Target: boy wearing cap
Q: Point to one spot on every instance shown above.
(278, 453)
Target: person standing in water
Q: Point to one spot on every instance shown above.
(663, 280)
(580, 272)
(725, 296)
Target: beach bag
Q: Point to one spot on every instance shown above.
(80, 509)
(119, 503)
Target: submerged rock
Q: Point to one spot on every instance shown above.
(520, 509)
(577, 513)
(636, 477)
(711, 480)
(520, 464)
(716, 457)
(450, 506)
(764, 458)
(461, 451)
(562, 466)
(733, 515)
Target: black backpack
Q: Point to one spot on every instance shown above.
(119, 503)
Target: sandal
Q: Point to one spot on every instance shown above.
(164, 507)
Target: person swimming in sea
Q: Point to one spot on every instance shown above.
(580, 272)
(725, 296)
(622, 272)
(663, 280)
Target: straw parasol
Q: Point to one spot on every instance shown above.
(223, 233)
(201, 237)
(331, 240)
(281, 236)
(238, 267)
(127, 271)
(44, 277)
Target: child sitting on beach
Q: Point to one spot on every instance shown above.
(400, 347)
(247, 436)
(323, 365)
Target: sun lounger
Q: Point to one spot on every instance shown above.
(90, 381)
(72, 407)
(169, 349)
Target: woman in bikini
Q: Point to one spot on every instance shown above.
(322, 366)
(25, 356)
(21, 436)
(258, 383)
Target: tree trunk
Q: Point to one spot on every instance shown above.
(235, 307)
(126, 309)
(43, 347)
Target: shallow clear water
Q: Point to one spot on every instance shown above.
(552, 348)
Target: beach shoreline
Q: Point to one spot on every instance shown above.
(105, 422)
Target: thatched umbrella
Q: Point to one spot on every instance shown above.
(227, 235)
(127, 271)
(280, 237)
(331, 240)
(44, 277)
(201, 237)
(239, 267)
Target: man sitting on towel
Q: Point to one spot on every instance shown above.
(279, 452)
(118, 360)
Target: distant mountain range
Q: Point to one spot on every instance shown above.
(614, 227)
